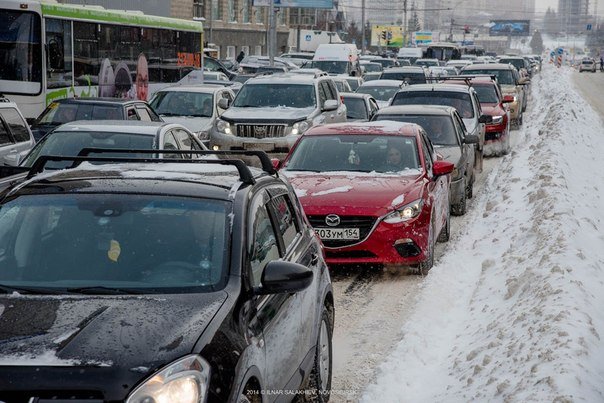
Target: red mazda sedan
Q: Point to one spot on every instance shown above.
(375, 192)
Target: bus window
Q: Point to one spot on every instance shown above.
(58, 48)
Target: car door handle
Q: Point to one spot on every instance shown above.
(13, 151)
(314, 259)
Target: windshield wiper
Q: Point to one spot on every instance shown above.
(8, 289)
(100, 290)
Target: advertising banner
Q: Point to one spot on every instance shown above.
(510, 28)
(328, 4)
(422, 38)
(386, 35)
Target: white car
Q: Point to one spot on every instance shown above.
(587, 64)
(193, 106)
(381, 90)
(16, 138)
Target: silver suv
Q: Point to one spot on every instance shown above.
(271, 112)
(16, 138)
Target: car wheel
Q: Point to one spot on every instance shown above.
(460, 208)
(425, 266)
(320, 376)
(445, 232)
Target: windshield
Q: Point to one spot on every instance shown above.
(378, 92)
(124, 243)
(353, 153)
(20, 52)
(72, 142)
(439, 129)
(180, 103)
(458, 100)
(410, 78)
(276, 95)
(504, 77)
(332, 67)
(486, 94)
(372, 67)
(58, 113)
(355, 108)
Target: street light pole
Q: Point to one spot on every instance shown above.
(272, 31)
(363, 47)
(211, 18)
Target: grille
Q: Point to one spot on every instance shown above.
(363, 223)
(260, 131)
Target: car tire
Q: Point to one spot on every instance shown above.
(461, 207)
(424, 267)
(319, 384)
(445, 232)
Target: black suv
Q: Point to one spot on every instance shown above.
(132, 281)
(70, 109)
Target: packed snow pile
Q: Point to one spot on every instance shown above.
(514, 310)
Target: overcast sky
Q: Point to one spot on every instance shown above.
(542, 5)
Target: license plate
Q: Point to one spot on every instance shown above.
(258, 146)
(338, 233)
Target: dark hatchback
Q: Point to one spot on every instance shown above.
(71, 109)
(161, 282)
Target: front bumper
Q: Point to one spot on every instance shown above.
(403, 244)
(230, 142)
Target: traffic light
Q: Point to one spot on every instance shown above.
(383, 35)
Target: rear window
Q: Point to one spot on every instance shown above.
(380, 93)
(409, 78)
(59, 113)
(504, 77)
(439, 129)
(486, 93)
(458, 100)
(355, 108)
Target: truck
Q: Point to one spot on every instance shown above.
(337, 59)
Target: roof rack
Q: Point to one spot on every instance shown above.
(244, 172)
(467, 78)
(3, 98)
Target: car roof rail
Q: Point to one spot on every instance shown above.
(38, 166)
(467, 78)
(267, 165)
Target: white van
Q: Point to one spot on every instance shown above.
(337, 58)
(411, 54)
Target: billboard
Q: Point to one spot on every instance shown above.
(422, 38)
(509, 27)
(295, 3)
(386, 35)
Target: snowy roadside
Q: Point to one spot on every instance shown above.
(513, 310)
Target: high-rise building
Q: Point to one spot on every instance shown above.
(573, 15)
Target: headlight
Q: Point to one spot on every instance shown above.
(405, 213)
(300, 127)
(497, 120)
(223, 127)
(184, 381)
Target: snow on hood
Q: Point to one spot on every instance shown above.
(372, 194)
(513, 310)
(195, 124)
(268, 114)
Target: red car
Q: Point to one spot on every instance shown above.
(492, 103)
(375, 192)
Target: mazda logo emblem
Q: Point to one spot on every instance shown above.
(332, 220)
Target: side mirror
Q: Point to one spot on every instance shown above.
(281, 277)
(524, 81)
(330, 105)
(508, 98)
(223, 103)
(485, 119)
(470, 139)
(442, 168)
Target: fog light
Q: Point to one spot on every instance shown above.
(406, 247)
(215, 148)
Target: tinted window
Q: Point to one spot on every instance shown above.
(72, 142)
(264, 242)
(180, 103)
(440, 129)
(123, 240)
(286, 219)
(458, 100)
(4, 137)
(355, 108)
(486, 93)
(17, 125)
(276, 95)
(409, 78)
(381, 93)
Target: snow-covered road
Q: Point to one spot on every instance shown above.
(512, 310)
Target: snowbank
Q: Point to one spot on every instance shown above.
(514, 311)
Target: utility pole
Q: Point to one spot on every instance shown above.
(404, 23)
(272, 33)
(363, 47)
(211, 18)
